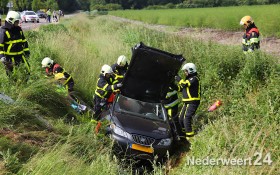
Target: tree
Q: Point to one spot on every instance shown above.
(3, 5)
(37, 5)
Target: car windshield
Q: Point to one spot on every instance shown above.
(30, 13)
(153, 111)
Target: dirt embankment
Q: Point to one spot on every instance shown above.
(270, 45)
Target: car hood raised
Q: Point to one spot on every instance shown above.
(150, 73)
(141, 126)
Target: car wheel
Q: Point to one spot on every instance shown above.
(38, 21)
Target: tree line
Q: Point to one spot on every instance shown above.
(87, 5)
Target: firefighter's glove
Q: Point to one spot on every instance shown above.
(177, 78)
(119, 85)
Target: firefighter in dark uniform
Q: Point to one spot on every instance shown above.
(106, 84)
(13, 45)
(53, 68)
(251, 40)
(190, 87)
(171, 101)
(120, 68)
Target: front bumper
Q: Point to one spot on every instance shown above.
(32, 19)
(124, 146)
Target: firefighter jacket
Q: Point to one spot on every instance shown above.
(119, 71)
(13, 44)
(105, 86)
(190, 88)
(56, 68)
(251, 40)
(171, 98)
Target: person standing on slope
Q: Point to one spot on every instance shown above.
(251, 40)
(13, 46)
(190, 88)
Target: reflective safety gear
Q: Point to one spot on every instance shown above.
(105, 86)
(12, 17)
(190, 88)
(59, 76)
(14, 47)
(246, 20)
(251, 40)
(186, 117)
(190, 68)
(122, 61)
(106, 69)
(47, 62)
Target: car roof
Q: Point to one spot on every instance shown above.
(150, 73)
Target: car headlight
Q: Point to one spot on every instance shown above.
(117, 130)
(165, 142)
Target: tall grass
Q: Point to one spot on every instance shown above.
(247, 122)
(266, 17)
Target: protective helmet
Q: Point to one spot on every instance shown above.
(47, 62)
(190, 68)
(12, 17)
(59, 76)
(122, 60)
(246, 20)
(106, 69)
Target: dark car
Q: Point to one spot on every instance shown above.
(139, 123)
(41, 14)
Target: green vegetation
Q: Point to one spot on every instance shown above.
(247, 122)
(266, 17)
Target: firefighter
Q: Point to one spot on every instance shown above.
(106, 84)
(171, 101)
(190, 87)
(53, 68)
(251, 40)
(13, 45)
(120, 68)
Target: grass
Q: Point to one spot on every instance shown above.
(246, 123)
(266, 17)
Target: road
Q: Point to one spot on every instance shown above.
(31, 25)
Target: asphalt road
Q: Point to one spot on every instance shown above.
(31, 25)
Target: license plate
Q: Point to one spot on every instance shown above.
(142, 148)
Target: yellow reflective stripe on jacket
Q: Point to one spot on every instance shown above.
(2, 52)
(254, 40)
(1, 45)
(67, 80)
(13, 53)
(170, 94)
(14, 41)
(174, 103)
(26, 49)
(8, 34)
(103, 89)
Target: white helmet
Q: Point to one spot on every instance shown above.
(106, 69)
(122, 60)
(47, 62)
(189, 67)
(12, 17)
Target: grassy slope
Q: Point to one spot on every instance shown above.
(247, 85)
(227, 18)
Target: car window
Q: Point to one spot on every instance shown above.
(30, 13)
(147, 110)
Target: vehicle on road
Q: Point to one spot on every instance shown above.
(41, 14)
(139, 124)
(29, 16)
